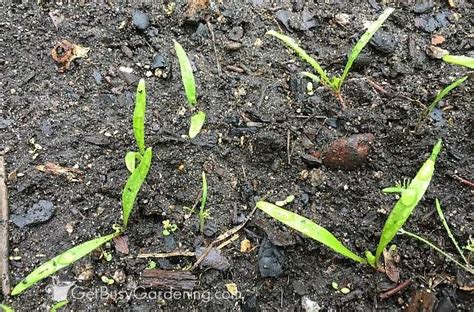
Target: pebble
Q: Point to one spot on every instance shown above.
(127, 51)
(41, 212)
(46, 128)
(169, 243)
(97, 139)
(309, 305)
(5, 123)
(140, 19)
(270, 259)
(159, 61)
(97, 77)
(423, 6)
(384, 42)
(210, 229)
(214, 259)
(348, 153)
(283, 16)
(233, 46)
(236, 33)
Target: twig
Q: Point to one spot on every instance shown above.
(392, 291)
(4, 244)
(464, 181)
(209, 26)
(376, 86)
(222, 237)
(288, 151)
(176, 253)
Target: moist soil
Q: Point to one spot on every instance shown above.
(261, 126)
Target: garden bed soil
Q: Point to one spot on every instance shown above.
(257, 135)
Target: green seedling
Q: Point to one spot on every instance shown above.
(151, 265)
(58, 305)
(288, 200)
(168, 227)
(440, 96)
(203, 213)
(460, 60)
(410, 196)
(6, 308)
(187, 76)
(308, 228)
(470, 245)
(334, 83)
(59, 262)
(106, 255)
(107, 280)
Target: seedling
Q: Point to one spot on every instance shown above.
(440, 96)
(203, 213)
(106, 255)
(6, 308)
(334, 83)
(168, 227)
(151, 265)
(58, 305)
(107, 280)
(59, 262)
(411, 194)
(198, 119)
(459, 60)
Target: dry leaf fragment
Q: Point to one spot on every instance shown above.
(232, 289)
(72, 174)
(437, 39)
(56, 17)
(64, 52)
(390, 259)
(245, 246)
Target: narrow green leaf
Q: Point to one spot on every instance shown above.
(186, 74)
(139, 116)
(6, 308)
(311, 76)
(289, 42)
(461, 60)
(308, 228)
(363, 42)
(408, 201)
(58, 305)
(394, 189)
(197, 121)
(133, 185)
(59, 262)
(130, 161)
(202, 211)
(443, 93)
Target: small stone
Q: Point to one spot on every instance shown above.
(309, 305)
(384, 42)
(270, 259)
(159, 61)
(140, 19)
(342, 19)
(210, 229)
(126, 50)
(283, 16)
(148, 74)
(233, 46)
(119, 276)
(5, 123)
(236, 33)
(423, 6)
(97, 77)
(214, 259)
(41, 212)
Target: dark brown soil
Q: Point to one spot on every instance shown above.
(243, 148)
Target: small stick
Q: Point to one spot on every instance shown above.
(464, 181)
(222, 237)
(176, 253)
(288, 151)
(4, 244)
(219, 70)
(376, 85)
(392, 291)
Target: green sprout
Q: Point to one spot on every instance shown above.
(440, 96)
(106, 255)
(107, 280)
(470, 245)
(151, 265)
(198, 119)
(410, 196)
(58, 305)
(6, 308)
(61, 261)
(459, 60)
(308, 228)
(334, 83)
(168, 227)
(203, 213)
(144, 156)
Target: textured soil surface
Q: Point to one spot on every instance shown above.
(261, 135)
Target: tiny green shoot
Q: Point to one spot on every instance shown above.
(308, 228)
(139, 116)
(470, 245)
(151, 265)
(203, 213)
(61, 261)
(334, 83)
(168, 227)
(448, 230)
(410, 196)
(197, 121)
(289, 199)
(107, 280)
(186, 74)
(131, 161)
(441, 95)
(6, 308)
(459, 60)
(58, 305)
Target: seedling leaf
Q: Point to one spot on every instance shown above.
(203, 214)
(459, 60)
(308, 228)
(408, 201)
(59, 262)
(302, 54)
(363, 42)
(134, 184)
(443, 93)
(6, 308)
(197, 121)
(186, 74)
(139, 116)
(130, 161)
(58, 305)
(311, 76)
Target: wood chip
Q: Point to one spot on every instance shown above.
(437, 40)
(166, 279)
(4, 233)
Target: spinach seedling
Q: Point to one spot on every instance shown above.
(459, 60)
(334, 83)
(410, 196)
(143, 156)
(168, 227)
(308, 228)
(198, 119)
(59, 262)
(203, 213)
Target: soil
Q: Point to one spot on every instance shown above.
(260, 124)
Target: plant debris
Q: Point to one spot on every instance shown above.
(71, 174)
(64, 52)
